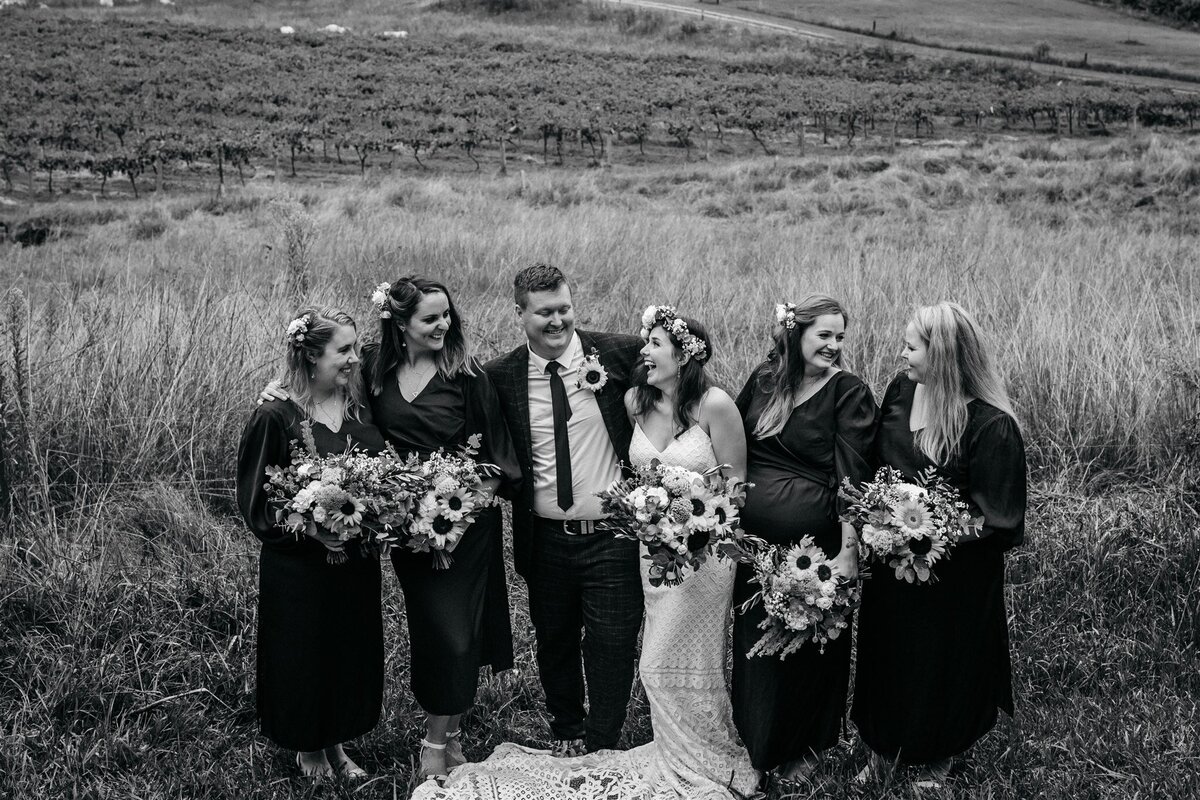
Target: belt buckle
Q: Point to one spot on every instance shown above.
(583, 527)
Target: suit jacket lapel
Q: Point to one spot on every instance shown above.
(610, 398)
(520, 379)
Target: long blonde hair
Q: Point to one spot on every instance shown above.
(958, 369)
(787, 363)
(321, 324)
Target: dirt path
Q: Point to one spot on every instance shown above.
(820, 33)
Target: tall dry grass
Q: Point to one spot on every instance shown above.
(127, 586)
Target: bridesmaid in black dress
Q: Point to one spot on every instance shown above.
(933, 662)
(320, 630)
(808, 426)
(426, 392)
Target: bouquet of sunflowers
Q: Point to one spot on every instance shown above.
(448, 495)
(805, 596)
(681, 516)
(352, 494)
(908, 526)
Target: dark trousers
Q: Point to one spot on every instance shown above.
(585, 599)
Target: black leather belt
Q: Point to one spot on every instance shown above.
(575, 527)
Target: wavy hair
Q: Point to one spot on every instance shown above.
(786, 363)
(401, 302)
(691, 385)
(958, 369)
(301, 355)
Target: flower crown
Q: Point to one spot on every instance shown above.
(665, 315)
(785, 315)
(297, 328)
(380, 298)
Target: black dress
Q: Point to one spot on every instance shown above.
(458, 618)
(788, 709)
(933, 662)
(320, 629)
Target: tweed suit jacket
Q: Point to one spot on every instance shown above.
(510, 376)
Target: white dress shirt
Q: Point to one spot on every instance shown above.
(594, 464)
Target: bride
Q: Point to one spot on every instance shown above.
(678, 418)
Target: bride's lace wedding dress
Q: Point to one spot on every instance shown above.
(696, 754)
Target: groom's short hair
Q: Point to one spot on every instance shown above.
(538, 277)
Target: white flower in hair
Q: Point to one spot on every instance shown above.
(297, 328)
(665, 316)
(379, 297)
(648, 317)
(785, 315)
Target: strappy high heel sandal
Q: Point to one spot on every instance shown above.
(437, 777)
(454, 753)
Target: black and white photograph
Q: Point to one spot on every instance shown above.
(599, 399)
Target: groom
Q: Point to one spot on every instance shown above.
(585, 593)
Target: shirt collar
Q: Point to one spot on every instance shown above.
(565, 360)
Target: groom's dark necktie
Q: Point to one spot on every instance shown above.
(562, 446)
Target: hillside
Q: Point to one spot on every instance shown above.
(1069, 28)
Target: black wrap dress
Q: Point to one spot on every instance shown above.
(458, 618)
(788, 709)
(933, 663)
(320, 628)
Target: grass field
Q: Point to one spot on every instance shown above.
(1070, 27)
(133, 342)
(127, 586)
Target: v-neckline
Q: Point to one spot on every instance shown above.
(316, 421)
(674, 439)
(420, 392)
(818, 390)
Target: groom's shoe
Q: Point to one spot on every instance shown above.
(568, 748)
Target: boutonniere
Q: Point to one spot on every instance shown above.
(592, 375)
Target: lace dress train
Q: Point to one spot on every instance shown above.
(695, 753)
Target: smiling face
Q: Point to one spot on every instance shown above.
(915, 355)
(661, 358)
(335, 367)
(426, 330)
(548, 318)
(821, 343)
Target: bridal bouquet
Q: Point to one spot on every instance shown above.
(449, 495)
(805, 596)
(908, 526)
(681, 516)
(352, 494)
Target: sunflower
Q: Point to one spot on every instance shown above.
(457, 505)
(723, 514)
(927, 548)
(347, 515)
(912, 518)
(443, 533)
(803, 558)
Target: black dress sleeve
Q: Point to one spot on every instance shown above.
(264, 444)
(890, 395)
(996, 479)
(485, 417)
(854, 439)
